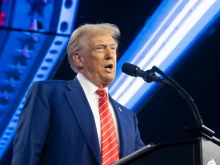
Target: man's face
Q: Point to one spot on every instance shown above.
(99, 59)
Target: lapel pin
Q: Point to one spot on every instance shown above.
(120, 109)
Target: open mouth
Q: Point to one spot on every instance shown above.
(109, 67)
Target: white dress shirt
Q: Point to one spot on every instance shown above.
(90, 91)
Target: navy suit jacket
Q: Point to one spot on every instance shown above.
(57, 127)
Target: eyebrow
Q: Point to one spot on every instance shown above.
(103, 43)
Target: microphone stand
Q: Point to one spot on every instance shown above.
(201, 129)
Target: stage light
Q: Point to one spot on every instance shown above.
(4, 98)
(28, 41)
(36, 25)
(60, 27)
(170, 39)
(7, 85)
(175, 32)
(21, 58)
(2, 18)
(37, 6)
(14, 72)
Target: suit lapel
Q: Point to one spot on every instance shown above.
(121, 124)
(83, 113)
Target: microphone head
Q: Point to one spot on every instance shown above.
(129, 69)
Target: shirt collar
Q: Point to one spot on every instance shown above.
(87, 85)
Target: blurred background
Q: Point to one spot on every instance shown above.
(33, 39)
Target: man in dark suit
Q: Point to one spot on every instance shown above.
(62, 122)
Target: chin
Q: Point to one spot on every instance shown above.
(108, 80)
(111, 80)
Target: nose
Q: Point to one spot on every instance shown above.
(109, 53)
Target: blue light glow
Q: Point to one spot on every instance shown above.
(167, 35)
(46, 55)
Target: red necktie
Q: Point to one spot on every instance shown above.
(109, 141)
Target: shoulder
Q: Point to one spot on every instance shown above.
(51, 82)
(48, 85)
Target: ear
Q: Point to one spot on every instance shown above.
(77, 59)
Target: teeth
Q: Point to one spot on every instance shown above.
(108, 68)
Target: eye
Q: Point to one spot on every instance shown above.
(100, 48)
(113, 48)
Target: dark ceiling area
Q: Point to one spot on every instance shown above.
(165, 115)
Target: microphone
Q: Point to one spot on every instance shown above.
(135, 71)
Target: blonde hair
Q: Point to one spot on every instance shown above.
(85, 32)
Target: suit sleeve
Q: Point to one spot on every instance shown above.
(139, 143)
(32, 127)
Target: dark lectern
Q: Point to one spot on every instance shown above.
(195, 151)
